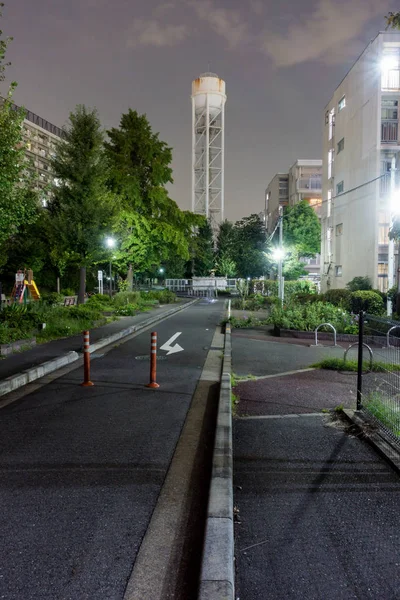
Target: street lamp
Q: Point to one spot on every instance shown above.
(110, 244)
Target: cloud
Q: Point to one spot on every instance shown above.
(328, 34)
(227, 23)
(150, 32)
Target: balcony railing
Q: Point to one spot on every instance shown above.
(390, 132)
(310, 183)
(391, 80)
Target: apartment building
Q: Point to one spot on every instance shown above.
(302, 182)
(360, 160)
(40, 139)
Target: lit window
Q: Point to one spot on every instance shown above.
(339, 229)
(338, 270)
(331, 123)
(341, 103)
(331, 156)
(382, 270)
(340, 188)
(340, 145)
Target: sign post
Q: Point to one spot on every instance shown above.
(100, 280)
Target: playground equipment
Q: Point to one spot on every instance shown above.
(23, 283)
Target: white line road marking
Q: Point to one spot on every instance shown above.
(172, 349)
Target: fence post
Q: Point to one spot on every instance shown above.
(86, 360)
(360, 358)
(153, 362)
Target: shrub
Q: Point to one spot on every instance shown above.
(366, 300)
(308, 298)
(338, 297)
(68, 292)
(162, 296)
(124, 298)
(52, 298)
(307, 317)
(129, 310)
(359, 283)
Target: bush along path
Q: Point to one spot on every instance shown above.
(46, 320)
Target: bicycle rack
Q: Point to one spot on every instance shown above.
(388, 333)
(325, 325)
(371, 354)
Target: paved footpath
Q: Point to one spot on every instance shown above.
(317, 507)
(42, 352)
(81, 470)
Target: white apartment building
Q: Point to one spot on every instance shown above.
(361, 143)
(302, 182)
(40, 138)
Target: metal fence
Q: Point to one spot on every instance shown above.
(378, 390)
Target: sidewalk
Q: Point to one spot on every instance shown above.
(17, 363)
(317, 508)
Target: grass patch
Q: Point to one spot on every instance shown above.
(235, 399)
(387, 411)
(338, 364)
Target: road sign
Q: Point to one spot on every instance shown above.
(100, 275)
(168, 345)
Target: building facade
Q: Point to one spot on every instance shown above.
(360, 160)
(302, 182)
(40, 139)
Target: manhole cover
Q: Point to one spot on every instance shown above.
(147, 357)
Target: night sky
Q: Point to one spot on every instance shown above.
(281, 61)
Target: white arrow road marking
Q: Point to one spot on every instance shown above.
(172, 349)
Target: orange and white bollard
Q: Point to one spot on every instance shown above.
(153, 362)
(86, 360)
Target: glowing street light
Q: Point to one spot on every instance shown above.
(110, 242)
(278, 254)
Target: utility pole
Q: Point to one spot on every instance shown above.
(391, 242)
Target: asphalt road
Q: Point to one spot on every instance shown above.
(81, 468)
(319, 513)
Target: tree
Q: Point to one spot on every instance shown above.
(82, 206)
(359, 284)
(250, 247)
(204, 250)
(149, 224)
(301, 230)
(18, 200)
(393, 20)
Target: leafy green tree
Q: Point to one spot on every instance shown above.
(82, 206)
(204, 250)
(226, 266)
(149, 224)
(250, 247)
(359, 283)
(301, 230)
(393, 20)
(18, 199)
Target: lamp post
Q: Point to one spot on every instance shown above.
(280, 255)
(110, 244)
(161, 271)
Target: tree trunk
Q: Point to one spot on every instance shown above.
(130, 278)
(58, 286)
(82, 285)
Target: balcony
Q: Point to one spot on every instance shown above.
(389, 132)
(310, 183)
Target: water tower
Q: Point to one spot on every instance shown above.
(208, 130)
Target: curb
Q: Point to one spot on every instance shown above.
(377, 439)
(217, 573)
(14, 382)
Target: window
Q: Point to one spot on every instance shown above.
(329, 208)
(340, 145)
(339, 229)
(340, 188)
(389, 109)
(338, 270)
(331, 157)
(331, 123)
(382, 270)
(382, 258)
(341, 103)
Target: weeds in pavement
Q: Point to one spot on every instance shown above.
(385, 410)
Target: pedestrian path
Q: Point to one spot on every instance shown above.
(41, 353)
(316, 507)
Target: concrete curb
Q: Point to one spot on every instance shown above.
(20, 379)
(376, 438)
(217, 572)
